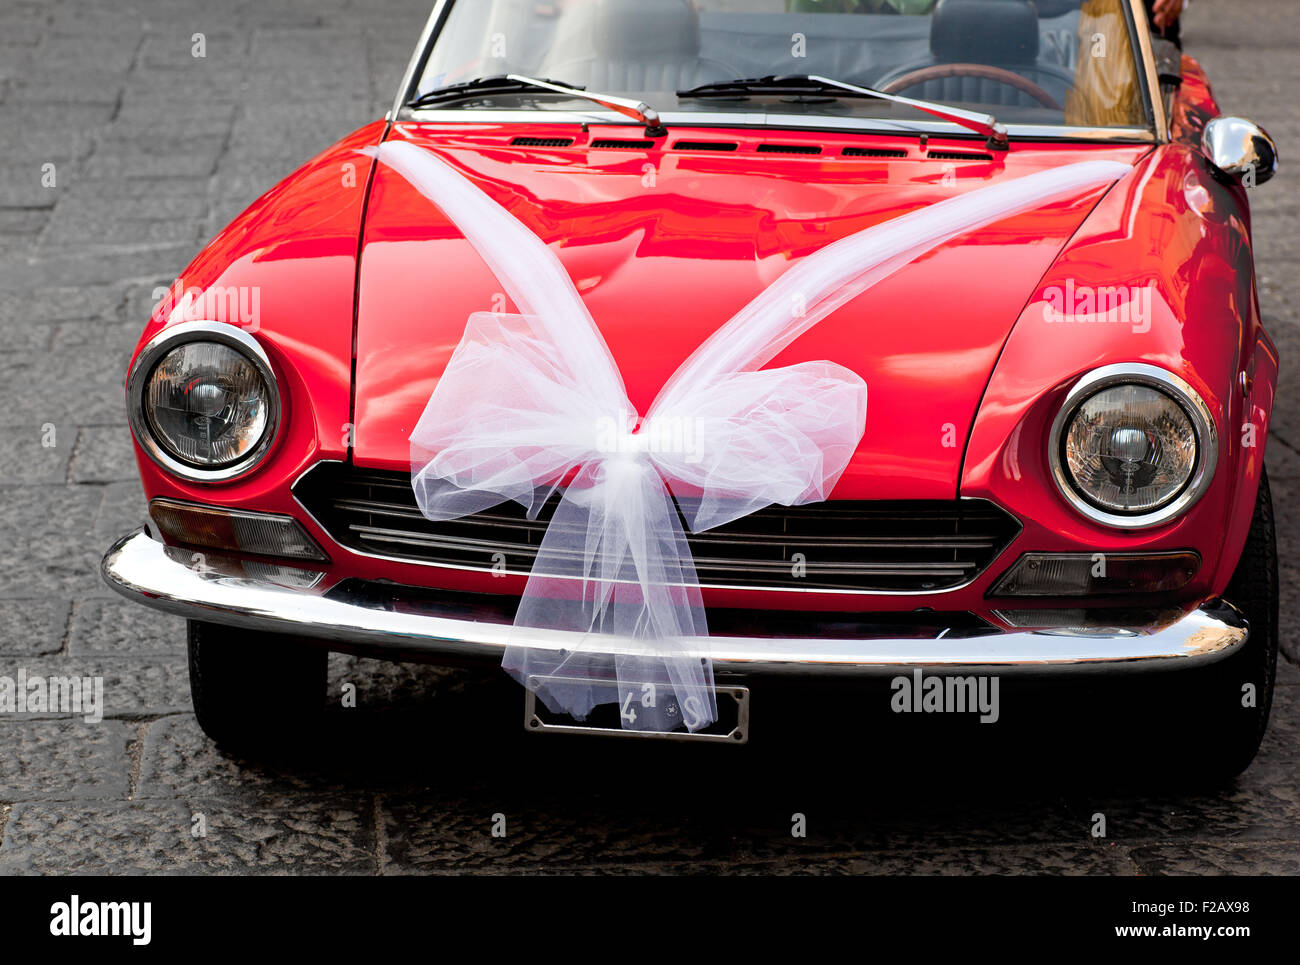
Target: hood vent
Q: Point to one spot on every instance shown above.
(789, 149)
(873, 152)
(542, 142)
(705, 146)
(959, 156)
(606, 142)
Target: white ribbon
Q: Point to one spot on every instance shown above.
(528, 398)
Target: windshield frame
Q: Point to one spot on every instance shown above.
(1135, 14)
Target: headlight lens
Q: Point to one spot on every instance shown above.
(207, 404)
(1130, 448)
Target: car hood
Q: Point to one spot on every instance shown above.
(666, 244)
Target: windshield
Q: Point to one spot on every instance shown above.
(1053, 62)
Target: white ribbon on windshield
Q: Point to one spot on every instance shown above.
(529, 400)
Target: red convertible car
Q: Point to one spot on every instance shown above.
(1017, 424)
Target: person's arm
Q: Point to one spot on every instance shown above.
(1165, 12)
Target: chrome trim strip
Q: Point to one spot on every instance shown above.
(422, 47)
(1207, 440)
(140, 569)
(991, 567)
(200, 331)
(1155, 103)
(766, 120)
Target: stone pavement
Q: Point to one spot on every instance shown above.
(153, 150)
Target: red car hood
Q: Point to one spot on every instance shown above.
(667, 244)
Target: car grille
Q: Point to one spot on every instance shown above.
(865, 545)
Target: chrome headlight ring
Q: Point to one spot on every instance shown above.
(158, 348)
(1180, 392)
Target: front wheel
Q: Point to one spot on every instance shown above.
(1219, 719)
(255, 691)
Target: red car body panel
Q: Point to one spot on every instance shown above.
(1205, 328)
(666, 245)
(297, 245)
(661, 267)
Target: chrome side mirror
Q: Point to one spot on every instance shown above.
(1240, 149)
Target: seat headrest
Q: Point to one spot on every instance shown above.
(984, 31)
(646, 29)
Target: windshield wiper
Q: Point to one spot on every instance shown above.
(518, 83)
(796, 84)
(499, 84)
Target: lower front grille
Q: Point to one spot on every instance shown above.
(879, 546)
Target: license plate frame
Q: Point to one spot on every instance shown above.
(732, 726)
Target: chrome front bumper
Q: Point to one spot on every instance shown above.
(221, 590)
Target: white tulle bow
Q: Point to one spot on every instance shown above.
(533, 400)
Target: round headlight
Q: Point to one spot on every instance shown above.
(1133, 446)
(1130, 449)
(207, 404)
(203, 401)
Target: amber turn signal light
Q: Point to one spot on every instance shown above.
(234, 530)
(1096, 574)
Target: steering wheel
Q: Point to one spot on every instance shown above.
(998, 74)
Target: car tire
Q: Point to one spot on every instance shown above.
(255, 692)
(1216, 729)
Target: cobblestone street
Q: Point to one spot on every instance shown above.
(151, 151)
